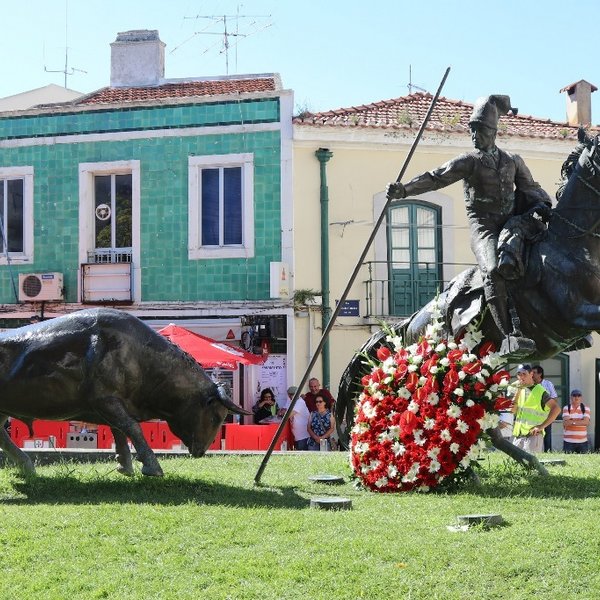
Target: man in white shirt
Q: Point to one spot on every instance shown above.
(298, 420)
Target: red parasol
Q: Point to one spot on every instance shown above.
(208, 352)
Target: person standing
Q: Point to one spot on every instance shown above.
(298, 420)
(498, 186)
(314, 386)
(576, 418)
(321, 425)
(534, 410)
(538, 377)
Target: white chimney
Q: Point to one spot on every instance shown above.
(137, 59)
(579, 102)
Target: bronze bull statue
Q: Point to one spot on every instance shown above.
(105, 366)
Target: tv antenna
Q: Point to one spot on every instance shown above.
(225, 33)
(66, 69)
(411, 85)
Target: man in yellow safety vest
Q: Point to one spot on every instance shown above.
(534, 410)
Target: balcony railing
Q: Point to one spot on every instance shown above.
(399, 289)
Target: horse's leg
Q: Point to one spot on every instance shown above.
(23, 462)
(123, 452)
(523, 458)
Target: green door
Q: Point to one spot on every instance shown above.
(414, 256)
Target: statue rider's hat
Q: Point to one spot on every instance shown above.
(489, 109)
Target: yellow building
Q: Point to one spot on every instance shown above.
(343, 160)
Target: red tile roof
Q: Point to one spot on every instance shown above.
(213, 87)
(448, 115)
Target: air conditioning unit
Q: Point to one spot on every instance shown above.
(40, 287)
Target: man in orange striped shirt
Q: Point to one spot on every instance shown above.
(576, 418)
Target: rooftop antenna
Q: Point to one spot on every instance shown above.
(66, 70)
(225, 34)
(411, 85)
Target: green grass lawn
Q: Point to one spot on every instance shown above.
(205, 531)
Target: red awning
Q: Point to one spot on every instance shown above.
(208, 352)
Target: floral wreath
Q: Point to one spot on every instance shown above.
(424, 408)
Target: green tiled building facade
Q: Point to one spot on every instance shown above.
(162, 138)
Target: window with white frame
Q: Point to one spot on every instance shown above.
(221, 206)
(16, 214)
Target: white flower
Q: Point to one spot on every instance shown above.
(403, 393)
(413, 407)
(412, 368)
(433, 398)
(417, 359)
(454, 448)
(444, 361)
(440, 348)
(422, 488)
(378, 396)
(434, 466)
(361, 447)
(433, 453)
(464, 463)
(429, 423)
(470, 403)
(445, 435)
(452, 345)
(488, 421)
(461, 375)
(492, 360)
(385, 436)
(369, 410)
(422, 380)
(371, 466)
(417, 433)
(395, 432)
(462, 426)
(389, 365)
(411, 474)
(360, 427)
(454, 411)
(472, 338)
(433, 370)
(381, 482)
(398, 449)
(392, 471)
(459, 392)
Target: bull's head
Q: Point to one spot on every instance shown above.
(198, 426)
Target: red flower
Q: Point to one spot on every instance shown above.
(472, 368)
(383, 353)
(455, 354)
(451, 380)
(487, 348)
(500, 375)
(412, 381)
(408, 422)
(502, 403)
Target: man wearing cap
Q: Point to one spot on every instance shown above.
(576, 418)
(497, 186)
(534, 410)
(298, 419)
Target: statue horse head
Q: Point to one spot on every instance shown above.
(558, 299)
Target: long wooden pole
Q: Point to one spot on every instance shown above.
(345, 293)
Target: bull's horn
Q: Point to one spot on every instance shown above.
(228, 404)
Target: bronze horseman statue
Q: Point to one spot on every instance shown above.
(499, 192)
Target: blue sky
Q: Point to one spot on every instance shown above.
(332, 53)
